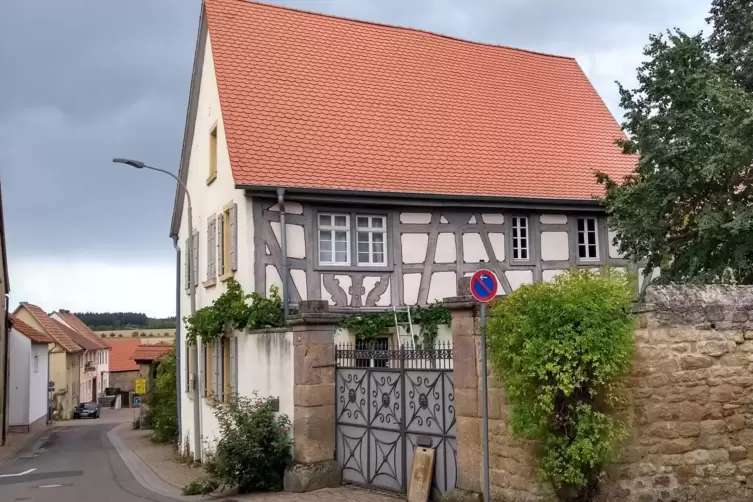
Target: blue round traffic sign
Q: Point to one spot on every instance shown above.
(484, 285)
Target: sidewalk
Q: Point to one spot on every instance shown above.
(167, 476)
(16, 441)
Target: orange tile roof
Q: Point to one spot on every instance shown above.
(29, 332)
(146, 352)
(120, 355)
(315, 101)
(78, 325)
(77, 337)
(52, 328)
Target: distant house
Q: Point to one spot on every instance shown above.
(95, 370)
(4, 328)
(65, 358)
(28, 375)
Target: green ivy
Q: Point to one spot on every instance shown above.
(233, 311)
(563, 349)
(366, 327)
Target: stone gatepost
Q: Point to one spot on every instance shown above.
(314, 465)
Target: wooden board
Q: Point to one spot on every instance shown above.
(419, 487)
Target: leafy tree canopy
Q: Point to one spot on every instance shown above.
(688, 207)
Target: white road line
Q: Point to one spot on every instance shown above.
(49, 486)
(19, 474)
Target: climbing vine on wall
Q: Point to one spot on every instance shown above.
(235, 310)
(366, 327)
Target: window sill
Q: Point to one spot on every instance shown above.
(211, 178)
(225, 277)
(209, 283)
(352, 268)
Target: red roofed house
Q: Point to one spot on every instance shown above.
(65, 358)
(95, 370)
(28, 376)
(374, 166)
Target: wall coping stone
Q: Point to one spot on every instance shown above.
(261, 331)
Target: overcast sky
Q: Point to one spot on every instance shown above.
(83, 81)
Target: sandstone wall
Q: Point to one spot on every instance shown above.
(691, 392)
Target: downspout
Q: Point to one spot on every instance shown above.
(177, 337)
(284, 249)
(50, 393)
(6, 357)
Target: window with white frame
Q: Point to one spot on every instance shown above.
(334, 239)
(519, 238)
(370, 233)
(36, 364)
(588, 239)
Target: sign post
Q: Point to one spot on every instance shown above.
(484, 288)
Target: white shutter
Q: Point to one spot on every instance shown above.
(212, 239)
(195, 258)
(220, 250)
(233, 365)
(216, 367)
(187, 267)
(209, 248)
(234, 237)
(201, 355)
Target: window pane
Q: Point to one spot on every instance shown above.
(378, 247)
(515, 243)
(524, 254)
(341, 256)
(523, 233)
(378, 257)
(582, 251)
(363, 222)
(524, 222)
(325, 220)
(515, 253)
(363, 257)
(378, 237)
(514, 231)
(581, 238)
(581, 225)
(591, 224)
(325, 256)
(523, 243)
(377, 222)
(592, 251)
(341, 237)
(363, 236)
(340, 221)
(363, 247)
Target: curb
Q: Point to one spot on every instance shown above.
(36, 438)
(143, 473)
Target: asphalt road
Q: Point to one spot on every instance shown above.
(73, 464)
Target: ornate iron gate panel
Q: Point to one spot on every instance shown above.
(390, 401)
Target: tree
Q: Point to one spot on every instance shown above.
(688, 207)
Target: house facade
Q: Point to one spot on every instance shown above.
(344, 162)
(28, 377)
(65, 358)
(95, 365)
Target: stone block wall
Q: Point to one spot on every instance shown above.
(691, 403)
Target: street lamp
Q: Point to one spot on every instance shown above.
(193, 280)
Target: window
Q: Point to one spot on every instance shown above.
(520, 238)
(370, 231)
(588, 239)
(378, 352)
(334, 239)
(226, 377)
(208, 370)
(211, 251)
(227, 241)
(36, 364)
(219, 380)
(212, 155)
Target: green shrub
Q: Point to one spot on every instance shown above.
(253, 450)
(562, 349)
(163, 400)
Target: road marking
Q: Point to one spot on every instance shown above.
(19, 474)
(49, 486)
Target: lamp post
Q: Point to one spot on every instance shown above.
(193, 280)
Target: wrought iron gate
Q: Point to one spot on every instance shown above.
(389, 401)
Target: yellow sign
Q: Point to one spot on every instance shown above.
(141, 386)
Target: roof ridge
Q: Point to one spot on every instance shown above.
(402, 28)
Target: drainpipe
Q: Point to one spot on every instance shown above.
(284, 249)
(6, 357)
(177, 337)
(50, 393)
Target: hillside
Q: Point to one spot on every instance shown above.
(109, 321)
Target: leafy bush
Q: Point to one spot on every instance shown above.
(366, 327)
(562, 349)
(163, 400)
(232, 310)
(253, 451)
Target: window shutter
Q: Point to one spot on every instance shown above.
(209, 249)
(202, 365)
(195, 281)
(234, 237)
(217, 368)
(186, 267)
(212, 239)
(220, 250)
(233, 365)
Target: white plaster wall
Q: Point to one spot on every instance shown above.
(443, 285)
(497, 241)
(613, 250)
(209, 200)
(445, 248)
(369, 283)
(493, 218)
(553, 219)
(473, 248)
(415, 217)
(19, 348)
(268, 366)
(519, 277)
(555, 246)
(549, 275)
(38, 383)
(296, 239)
(411, 285)
(414, 247)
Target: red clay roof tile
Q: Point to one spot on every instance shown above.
(78, 325)
(29, 332)
(120, 355)
(77, 337)
(52, 328)
(146, 352)
(315, 101)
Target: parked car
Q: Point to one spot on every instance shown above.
(86, 410)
